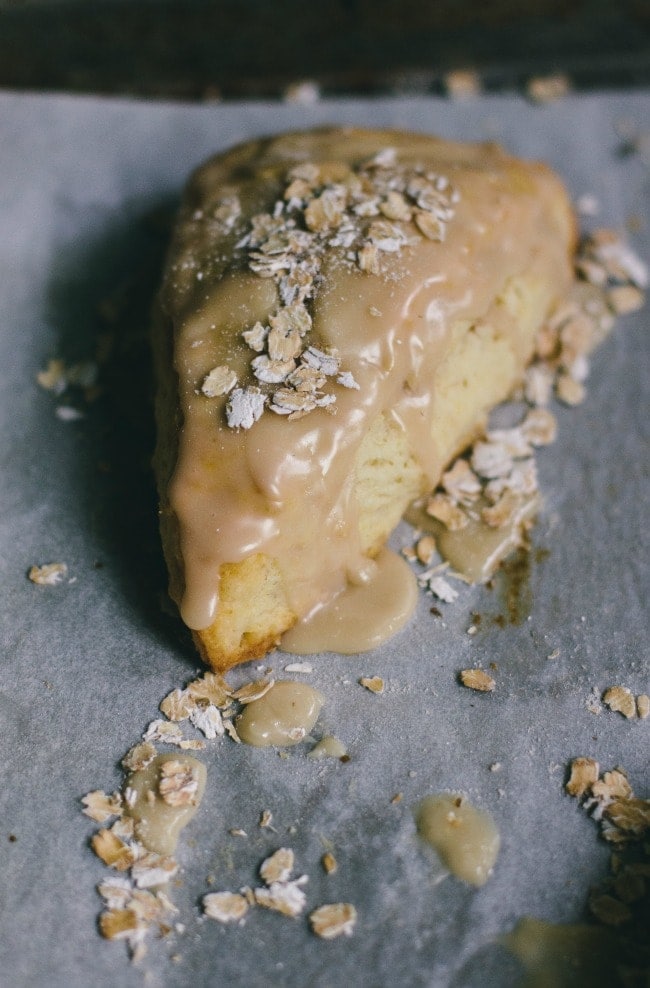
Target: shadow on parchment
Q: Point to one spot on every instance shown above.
(100, 300)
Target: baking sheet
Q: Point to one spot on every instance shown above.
(84, 184)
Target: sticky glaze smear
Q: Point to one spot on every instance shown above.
(363, 617)
(158, 823)
(465, 838)
(283, 716)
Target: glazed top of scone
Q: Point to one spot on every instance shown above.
(318, 282)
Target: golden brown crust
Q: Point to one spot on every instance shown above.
(253, 614)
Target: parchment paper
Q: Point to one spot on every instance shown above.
(83, 185)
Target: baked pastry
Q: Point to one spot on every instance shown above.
(340, 310)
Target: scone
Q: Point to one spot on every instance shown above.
(340, 310)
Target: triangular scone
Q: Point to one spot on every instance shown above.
(340, 310)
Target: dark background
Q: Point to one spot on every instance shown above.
(209, 49)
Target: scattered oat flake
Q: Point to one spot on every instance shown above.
(192, 744)
(333, 920)
(118, 924)
(618, 257)
(231, 730)
(425, 549)
(287, 898)
(439, 587)
(153, 869)
(178, 783)
(395, 206)
(266, 819)
(643, 706)
(123, 828)
(325, 211)
(278, 867)
(624, 299)
(139, 756)
(299, 667)
(131, 912)
(491, 459)
(177, 705)
(460, 482)
(48, 575)
(513, 441)
(538, 384)
(592, 271)
(255, 337)
(291, 320)
(228, 211)
(502, 512)
(522, 479)
(225, 907)
(612, 785)
(630, 815)
(269, 371)
(248, 894)
(306, 379)
(99, 806)
(253, 691)
(583, 774)
(390, 237)
(115, 891)
(346, 379)
(568, 390)
(477, 679)
(539, 427)
(244, 407)
(329, 863)
(208, 720)
(620, 700)
(112, 850)
(292, 403)
(212, 688)
(373, 683)
(219, 382)
(368, 259)
(430, 225)
(327, 362)
(163, 730)
(162, 903)
(386, 158)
